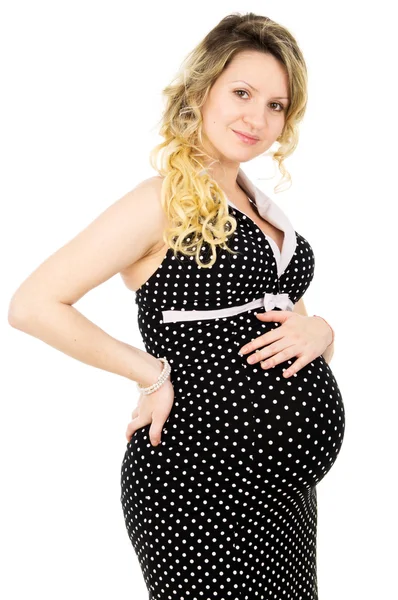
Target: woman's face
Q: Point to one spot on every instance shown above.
(233, 105)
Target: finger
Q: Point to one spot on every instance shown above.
(283, 356)
(270, 314)
(262, 340)
(269, 351)
(155, 432)
(295, 367)
(129, 433)
(133, 426)
(277, 315)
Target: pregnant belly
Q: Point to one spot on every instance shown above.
(230, 417)
(291, 428)
(299, 421)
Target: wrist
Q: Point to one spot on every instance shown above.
(151, 372)
(329, 332)
(163, 377)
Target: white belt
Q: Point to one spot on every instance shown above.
(268, 301)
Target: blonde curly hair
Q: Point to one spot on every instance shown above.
(195, 206)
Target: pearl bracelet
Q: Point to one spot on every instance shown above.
(160, 380)
(329, 326)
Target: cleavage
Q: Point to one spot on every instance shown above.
(273, 232)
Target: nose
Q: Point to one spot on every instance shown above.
(256, 119)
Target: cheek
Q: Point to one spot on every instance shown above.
(219, 116)
(215, 124)
(279, 126)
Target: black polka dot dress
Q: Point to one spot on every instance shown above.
(225, 507)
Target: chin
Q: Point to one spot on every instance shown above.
(238, 154)
(241, 157)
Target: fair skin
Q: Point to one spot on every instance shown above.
(233, 105)
(126, 239)
(251, 96)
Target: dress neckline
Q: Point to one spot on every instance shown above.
(274, 246)
(272, 213)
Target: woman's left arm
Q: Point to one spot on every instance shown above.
(299, 308)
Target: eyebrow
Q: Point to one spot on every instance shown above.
(253, 88)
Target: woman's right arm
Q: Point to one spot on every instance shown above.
(118, 237)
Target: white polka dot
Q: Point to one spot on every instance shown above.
(225, 508)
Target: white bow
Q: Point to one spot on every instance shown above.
(282, 301)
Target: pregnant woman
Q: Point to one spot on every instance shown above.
(239, 415)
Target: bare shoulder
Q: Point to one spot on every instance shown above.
(119, 237)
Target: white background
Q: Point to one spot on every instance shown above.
(80, 103)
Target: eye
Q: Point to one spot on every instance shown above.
(281, 105)
(282, 108)
(244, 91)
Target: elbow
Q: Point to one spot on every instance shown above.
(16, 315)
(20, 311)
(24, 311)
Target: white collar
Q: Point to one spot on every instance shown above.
(272, 213)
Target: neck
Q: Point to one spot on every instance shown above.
(226, 178)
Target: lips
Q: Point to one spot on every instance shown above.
(245, 137)
(252, 137)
